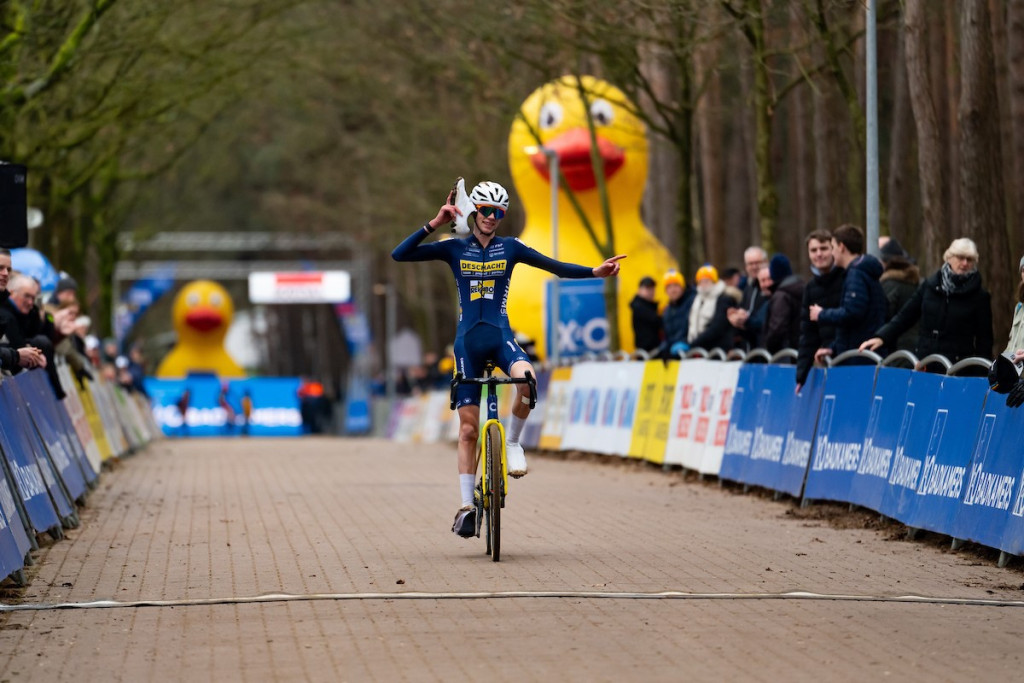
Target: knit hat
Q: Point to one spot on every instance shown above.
(1003, 374)
(65, 284)
(673, 277)
(779, 268)
(647, 281)
(707, 271)
(892, 249)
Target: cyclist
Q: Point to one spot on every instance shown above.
(482, 264)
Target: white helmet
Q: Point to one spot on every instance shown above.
(490, 193)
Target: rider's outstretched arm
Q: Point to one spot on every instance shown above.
(532, 257)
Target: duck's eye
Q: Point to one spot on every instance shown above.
(216, 299)
(550, 115)
(192, 299)
(602, 113)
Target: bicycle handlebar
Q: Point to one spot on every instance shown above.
(494, 381)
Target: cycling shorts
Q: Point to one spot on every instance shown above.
(480, 344)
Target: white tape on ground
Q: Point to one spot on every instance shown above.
(576, 595)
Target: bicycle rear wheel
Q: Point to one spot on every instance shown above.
(495, 485)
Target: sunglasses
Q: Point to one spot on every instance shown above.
(488, 211)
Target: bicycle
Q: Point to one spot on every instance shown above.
(493, 483)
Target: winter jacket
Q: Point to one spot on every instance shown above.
(957, 325)
(782, 324)
(1016, 329)
(899, 282)
(676, 318)
(825, 290)
(709, 320)
(647, 329)
(9, 357)
(862, 309)
(20, 327)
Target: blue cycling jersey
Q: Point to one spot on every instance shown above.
(483, 275)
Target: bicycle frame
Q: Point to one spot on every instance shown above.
(492, 501)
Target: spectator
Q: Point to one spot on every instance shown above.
(782, 323)
(1015, 345)
(66, 293)
(732, 277)
(224, 401)
(862, 308)
(748, 317)
(953, 310)
(676, 316)
(246, 412)
(137, 369)
(24, 325)
(182, 405)
(824, 289)
(12, 358)
(709, 312)
(899, 282)
(647, 329)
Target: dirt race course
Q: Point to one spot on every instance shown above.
(228, 520)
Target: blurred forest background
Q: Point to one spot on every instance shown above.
(317, 117)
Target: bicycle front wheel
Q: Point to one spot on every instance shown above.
(495, 484)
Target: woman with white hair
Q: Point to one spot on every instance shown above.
(952, 309)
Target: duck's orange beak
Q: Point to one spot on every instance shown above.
(573, 149)
(204, 318)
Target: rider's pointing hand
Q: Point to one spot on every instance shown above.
(609, 268)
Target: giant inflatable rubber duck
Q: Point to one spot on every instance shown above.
(201, 313)
(556, 112)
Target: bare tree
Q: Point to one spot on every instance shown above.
(982, 199)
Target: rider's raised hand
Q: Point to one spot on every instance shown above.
(609, 268)
(447, 213)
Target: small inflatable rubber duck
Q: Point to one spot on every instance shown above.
(556, 112)
(201, 314)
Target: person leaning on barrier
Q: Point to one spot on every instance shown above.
(900, 281)
(862, 308)
(12, 358)
(825, 289)
(25, 325)
(782, 324)
(709, 313)
(647, 330)
(676, 316)
(1015, 345)
(952, 309)
(748, 317)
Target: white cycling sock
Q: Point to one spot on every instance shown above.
(515, 428)
(466, 488)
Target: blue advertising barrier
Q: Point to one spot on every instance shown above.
(275, 404)
(885, 417)
(929, 467)
(40, 402)
(12, 558)
(27, 472)
(772, 428)
(992, 506)
(14, 518)
(842, 421)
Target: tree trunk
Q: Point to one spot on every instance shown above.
(899, 188)
(931, 167)
(983, 211)
(767, 200)
(709, 142)
(1015, 92)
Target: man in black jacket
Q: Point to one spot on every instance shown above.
(24, 325)
(826, 290)
(647, 324)
(14, 359)
(863, 305)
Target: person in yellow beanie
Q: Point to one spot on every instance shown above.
(676, 316)
(709, 322)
